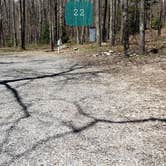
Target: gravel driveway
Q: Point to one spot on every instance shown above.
(54, 110)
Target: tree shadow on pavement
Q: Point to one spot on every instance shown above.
(76, 130)
(64, 73)
(73, 128)
(16, 93)
(24, 108)
(18, 99)
(98, 120)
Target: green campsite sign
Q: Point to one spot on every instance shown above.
(79, 13)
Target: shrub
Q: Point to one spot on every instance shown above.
(155, 23)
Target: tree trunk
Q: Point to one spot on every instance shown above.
(160, 18)
(82, 35)
(60, 19)
(1, 23)
(14, 26)
(23, 24)
(104, 29)
(98, 22)
(51, 25)
(78, 35)
(56, 21)
(122, 23)
(125, 27)
(112, 21)
(142, 26)
(164, 11)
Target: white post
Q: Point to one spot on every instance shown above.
(59, 43)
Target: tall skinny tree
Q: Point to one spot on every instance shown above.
(14, 26)
(51, 25)
(23, 23)
(160, 17)
(125, 27)
(98, 22)
(112, 21)
(0, 23)
(142, 26)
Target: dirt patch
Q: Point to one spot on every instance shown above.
(144, 70)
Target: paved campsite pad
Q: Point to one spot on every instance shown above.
(80, 115)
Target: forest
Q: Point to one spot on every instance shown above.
(29, 22)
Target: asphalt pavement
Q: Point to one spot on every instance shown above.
(55, 110)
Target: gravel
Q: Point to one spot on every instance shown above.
(55, 110)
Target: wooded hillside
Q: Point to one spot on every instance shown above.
(24, 22)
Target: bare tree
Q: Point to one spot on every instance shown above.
(160, 17)
(51, 25)
(104, 29)
(14, 26)
(98, 21)
(1, 23)
(23, 23)
(125, 27)
(112, 21)
(42, 22)
(60, 19)
(142, 26)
